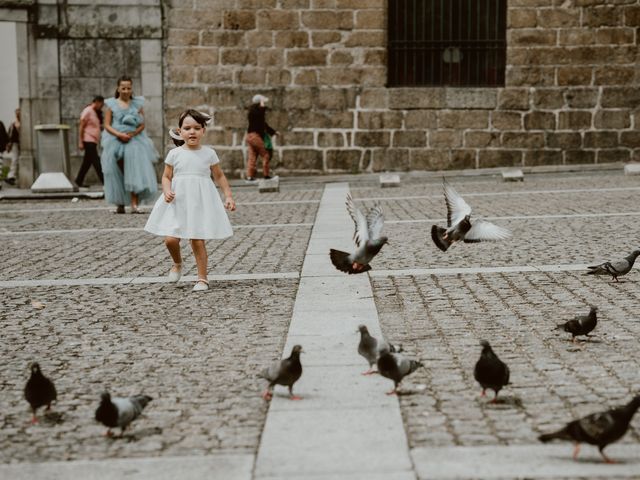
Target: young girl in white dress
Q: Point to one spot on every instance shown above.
(191, 206)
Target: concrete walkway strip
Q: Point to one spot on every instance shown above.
(345, 426)
(231, 466)
(526, 217)
(60, 282)
(133, 229)
(525, 461)
(476, 270)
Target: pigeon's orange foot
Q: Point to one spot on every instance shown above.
(34, 420)
(483, 393)
(357, 266)
(266, 395)
(369, 372)
(576, 451)
(108, 433)
(392, 392)
(295, 397)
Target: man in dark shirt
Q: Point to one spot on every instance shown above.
(258, 127)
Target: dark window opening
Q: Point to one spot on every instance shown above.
(446, 42)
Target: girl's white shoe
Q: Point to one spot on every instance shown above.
(174, 275)
(201, 285)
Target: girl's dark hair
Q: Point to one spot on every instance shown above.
(199, 117)
(98, 98)
(124, 78)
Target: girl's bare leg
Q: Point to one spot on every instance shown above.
(134, 200)
(200, 253)
(173, 245)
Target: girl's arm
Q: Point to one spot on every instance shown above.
(123, 137)
(221, 180)
(167, 175)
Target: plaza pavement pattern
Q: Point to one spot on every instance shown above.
(83, 292)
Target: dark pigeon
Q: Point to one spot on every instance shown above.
(120, 412)
(490, 371)
(581, 324)
(396, 366)
(616, 268)
(459, 225)
(599, 429)
(370, 348)
(39, 391)
(283, 372)
(367, 238)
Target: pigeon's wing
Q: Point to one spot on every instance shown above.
(457, 208)
(375, 222)
(617, 266)
(361, 234)
(272, 372)
(127, 411)
(483, 231)
(597, 424)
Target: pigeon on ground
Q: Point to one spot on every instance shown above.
(120, 412)
(396, 366)
(459, 226)
(599, 429)
(616, 268)
(367, 238)
(490, 371)
(39, 391)
(581, 324)
(283, 372)
(370, 348)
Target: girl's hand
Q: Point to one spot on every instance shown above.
(229, 204)
(169, 196)
(124, 137)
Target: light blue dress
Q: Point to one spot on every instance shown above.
(139, 155)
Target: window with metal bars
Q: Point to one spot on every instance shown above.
(446, 42)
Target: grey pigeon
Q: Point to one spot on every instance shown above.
(396, 366)
(367, 238)
(120, 412)
(616, 268)
(581, 324)
(459, 226)
(39, 391)
(283, 372)
(370, 348)
(490, 371)
(599, 429)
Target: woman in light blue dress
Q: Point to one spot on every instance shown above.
(128, 154)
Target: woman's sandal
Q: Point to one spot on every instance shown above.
(201, 285)
(120, 209)
(174, 275)
(135, 210)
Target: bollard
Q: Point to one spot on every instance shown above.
(52, 149)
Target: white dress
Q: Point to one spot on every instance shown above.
(197, 211)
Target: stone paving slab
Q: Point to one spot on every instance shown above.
(441, 320)
(524, 461)
(197, 355)
(131, 254)
(228, 466)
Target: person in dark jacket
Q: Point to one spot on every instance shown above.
(256, 132)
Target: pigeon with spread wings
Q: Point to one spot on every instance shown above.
(367, 238)
(459, 225)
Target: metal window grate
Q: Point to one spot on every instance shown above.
(446, 42)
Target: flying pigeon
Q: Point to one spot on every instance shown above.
(396, 366)
(120, 412)
(370, 348)
(581, 324)
(459, 226)
(39, 391)
(599, 429)
(616, 268)
(367, 238)
(283, 372)
(490, 371)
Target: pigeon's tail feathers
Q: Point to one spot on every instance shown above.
(141, 401)
(437, 234)
(414, 365)
(559, 435)
(602, 269)
(342, 262)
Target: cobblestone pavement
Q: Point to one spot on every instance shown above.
(198, 355)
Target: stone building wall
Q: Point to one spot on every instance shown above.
(571, 93)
